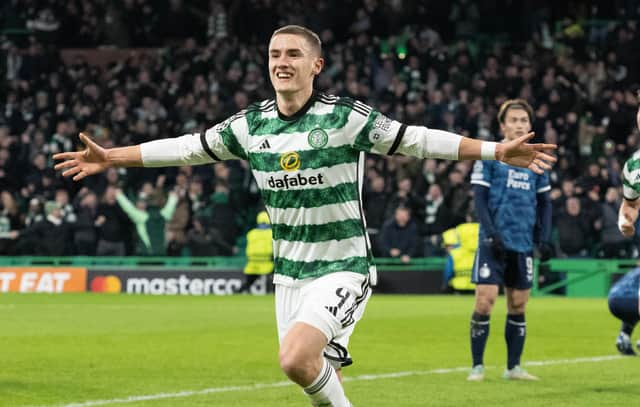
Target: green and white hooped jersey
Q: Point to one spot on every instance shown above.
(310, 170)
(631, 177)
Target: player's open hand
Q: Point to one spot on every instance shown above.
(519, 153)
(80, 164)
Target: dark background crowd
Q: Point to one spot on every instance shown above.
(191, 64)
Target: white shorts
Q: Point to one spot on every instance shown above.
(332, 303)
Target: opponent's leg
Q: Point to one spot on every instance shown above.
(479, 328)
(515, 332)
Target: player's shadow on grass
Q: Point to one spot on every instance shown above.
(9, 387)
(621, 389)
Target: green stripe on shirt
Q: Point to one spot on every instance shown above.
(259, 126)
(362, 141)
(339, 230)
(304, 269)
(231, 142)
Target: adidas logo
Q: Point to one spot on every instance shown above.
(265, 145)
(332, 310)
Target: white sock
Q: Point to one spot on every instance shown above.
(326, 389)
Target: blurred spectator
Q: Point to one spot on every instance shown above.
(465, 15)
(220, 209)
(112, 224)
(398, 237)
(434, 221)
(149, 217)
(592, 180)
(9, 222)
(573, 231)
(457, 199)
(375, 203)
(85, 235)
(559, 197)
(178, 224)
(68, 212)
(614, 244)
(205, 241)
(404, 196)
(51, 236)
(34, 212)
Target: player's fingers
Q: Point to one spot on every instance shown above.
(72, 171)
(523, 139)
(65, 156)
(541, 164)
(544, 147)
(65, 164)
(534, 167)
(80, 176)
(546, 157)
(88, 142)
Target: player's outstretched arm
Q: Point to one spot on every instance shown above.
(628, 216)
(516, 152)
(95, 159)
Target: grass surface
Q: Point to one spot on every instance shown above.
(75, 349)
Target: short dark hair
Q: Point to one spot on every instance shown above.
(311, 37)
(514, 104)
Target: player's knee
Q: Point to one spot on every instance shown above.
(294, 364)
(517, 307)
(484, 305)
(288, 363)
(484, 309)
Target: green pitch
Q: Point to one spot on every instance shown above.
(75, 350)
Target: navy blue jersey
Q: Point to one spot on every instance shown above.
(628, 286)
(512, 201)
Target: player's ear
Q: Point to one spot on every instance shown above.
(318, 64)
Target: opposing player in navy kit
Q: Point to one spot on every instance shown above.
(514, 209)
(624, 295)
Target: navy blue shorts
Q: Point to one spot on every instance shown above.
(624, 308)
(515, 271)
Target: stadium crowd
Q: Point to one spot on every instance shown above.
(445, 65)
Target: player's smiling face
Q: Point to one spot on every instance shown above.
(516, 124)
(292, 63)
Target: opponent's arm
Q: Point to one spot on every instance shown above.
(492, 238)
(481, 203)
(544, 211)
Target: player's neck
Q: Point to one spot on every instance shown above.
(290, 103)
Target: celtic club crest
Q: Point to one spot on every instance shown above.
(318, 138)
